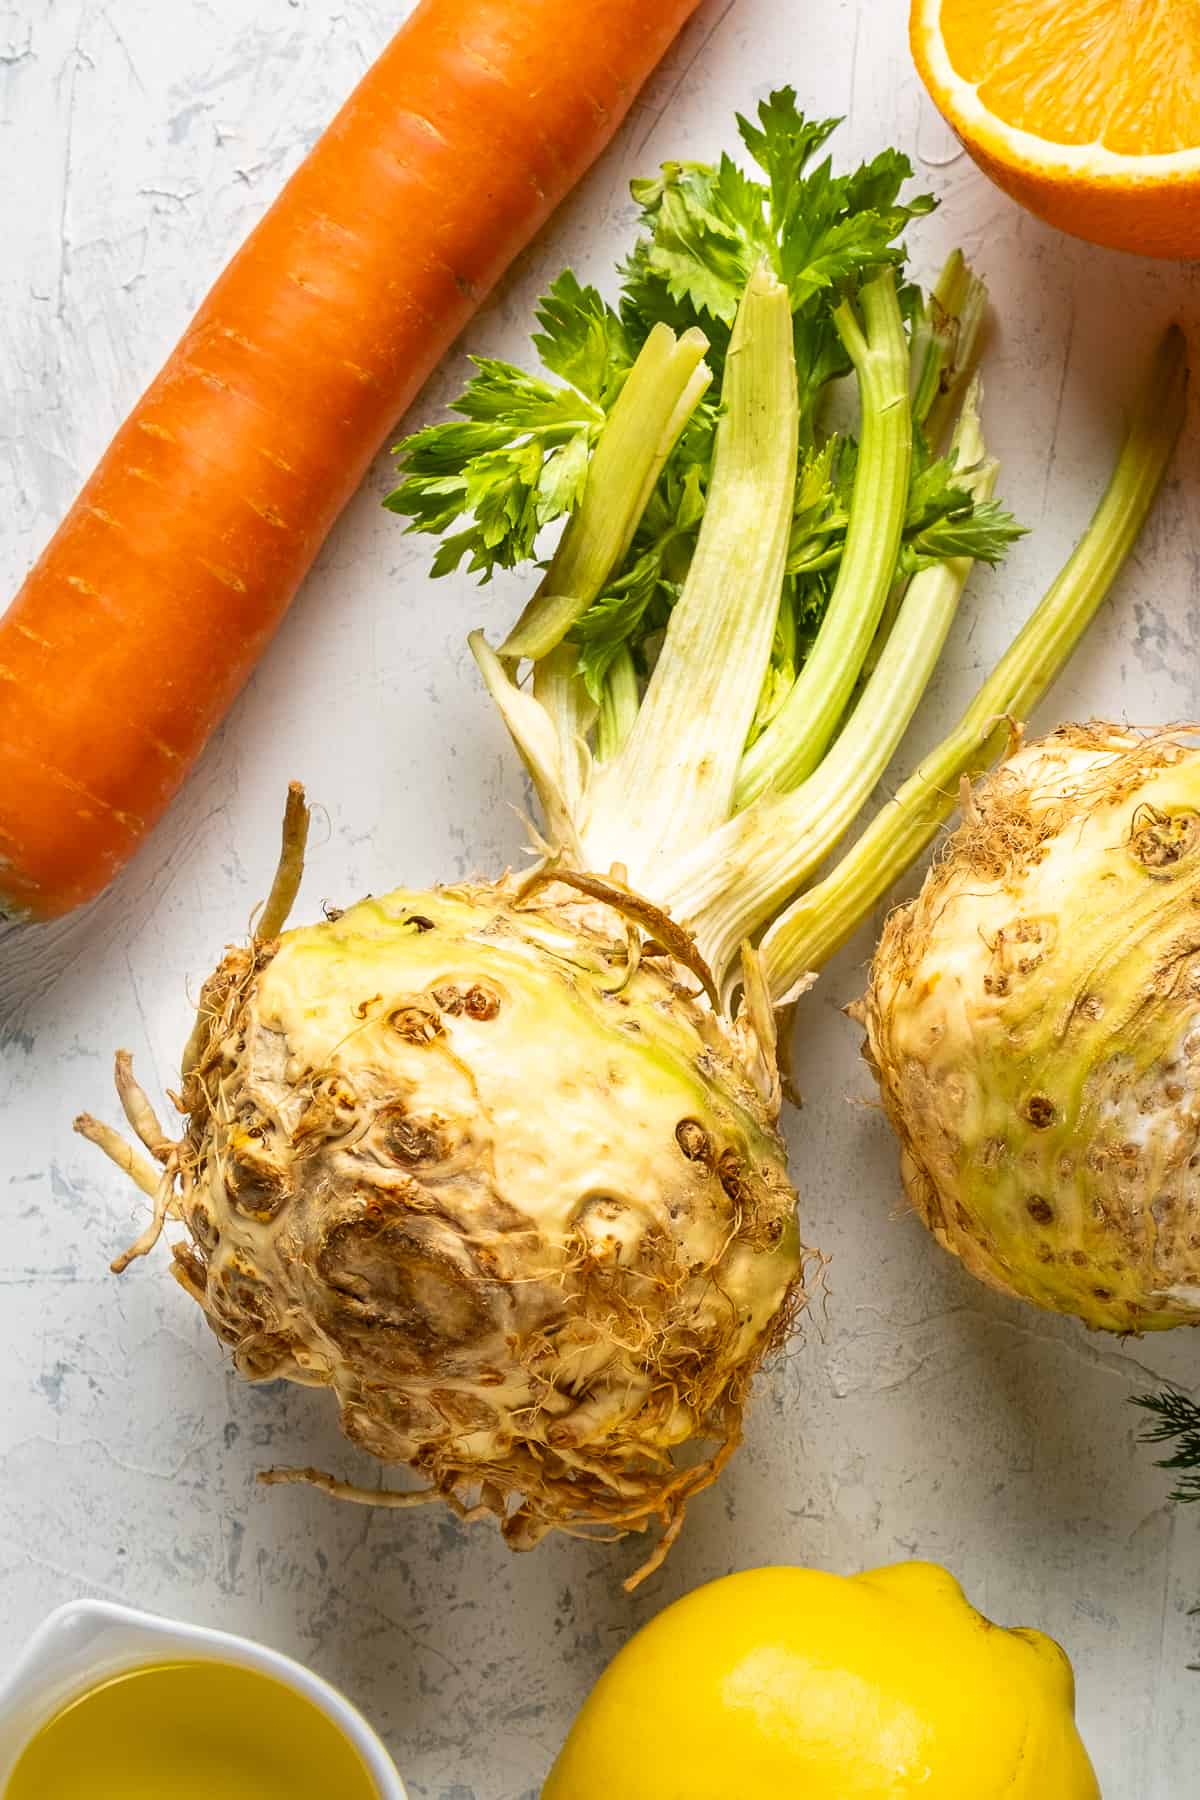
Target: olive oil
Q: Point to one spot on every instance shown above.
(190, 1731)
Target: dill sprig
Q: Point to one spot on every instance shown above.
(1177, 1421)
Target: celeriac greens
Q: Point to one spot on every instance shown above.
(767, 474)
(518, 459)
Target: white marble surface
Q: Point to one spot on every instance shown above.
(139, 139)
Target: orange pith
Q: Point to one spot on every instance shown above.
(1086, 111)
(1121, 73)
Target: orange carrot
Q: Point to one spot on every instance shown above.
(149, 608)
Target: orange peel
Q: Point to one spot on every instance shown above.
(1086, 111)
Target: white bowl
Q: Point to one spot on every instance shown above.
(89, 1641)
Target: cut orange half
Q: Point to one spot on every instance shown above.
(1086, 111)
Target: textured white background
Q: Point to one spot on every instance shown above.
(139, 140)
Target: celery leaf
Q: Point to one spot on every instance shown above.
(517, 458)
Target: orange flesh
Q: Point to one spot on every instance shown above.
(1121, 73)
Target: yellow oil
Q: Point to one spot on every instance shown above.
(190, 1731)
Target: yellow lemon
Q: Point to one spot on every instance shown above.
(806, 1686)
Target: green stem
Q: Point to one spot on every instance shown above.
(945, 343)
(887, 620)
(661, 392)
(538, 744)
(672, 783)
(559, 688)
(618, 705)
(945, 348)
(764, 854)
(795, 740)
(811, 930)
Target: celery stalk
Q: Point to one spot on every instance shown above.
(793, 743)
(672, 783)
(815, 926)
(765, 853)
(661, 392)
(945, 345)
(618, 706)
(559, 688)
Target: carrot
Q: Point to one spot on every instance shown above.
(136, 629)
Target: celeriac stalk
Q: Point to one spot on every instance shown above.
(945, 344)
(792, 744)
(559, 688)
(763, 854)
(661, 392)
(816, 925)
(550, 761)
(618, 706)
(672, 782)
(945, 348)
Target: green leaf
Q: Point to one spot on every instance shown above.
(982, 531)
(707, 229)
(707, 225)
(582, 339)
(944, 520)
(516, 459)
(782, 143)
(503, 394)
(839, 226)
(824, 482)
(614, 621)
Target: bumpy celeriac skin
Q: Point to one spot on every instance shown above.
(1034, 1021)
(510, 1194)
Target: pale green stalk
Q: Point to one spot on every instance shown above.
(672, 783)
(793, 743)
(618, 705)
(945, 344)
(661, 392)
(805, 936)
(537, 741)
(559, 687)
(766, 852)
(945, 347)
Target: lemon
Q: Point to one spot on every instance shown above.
(809, 1686)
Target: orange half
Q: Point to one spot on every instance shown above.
(1086, 111)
